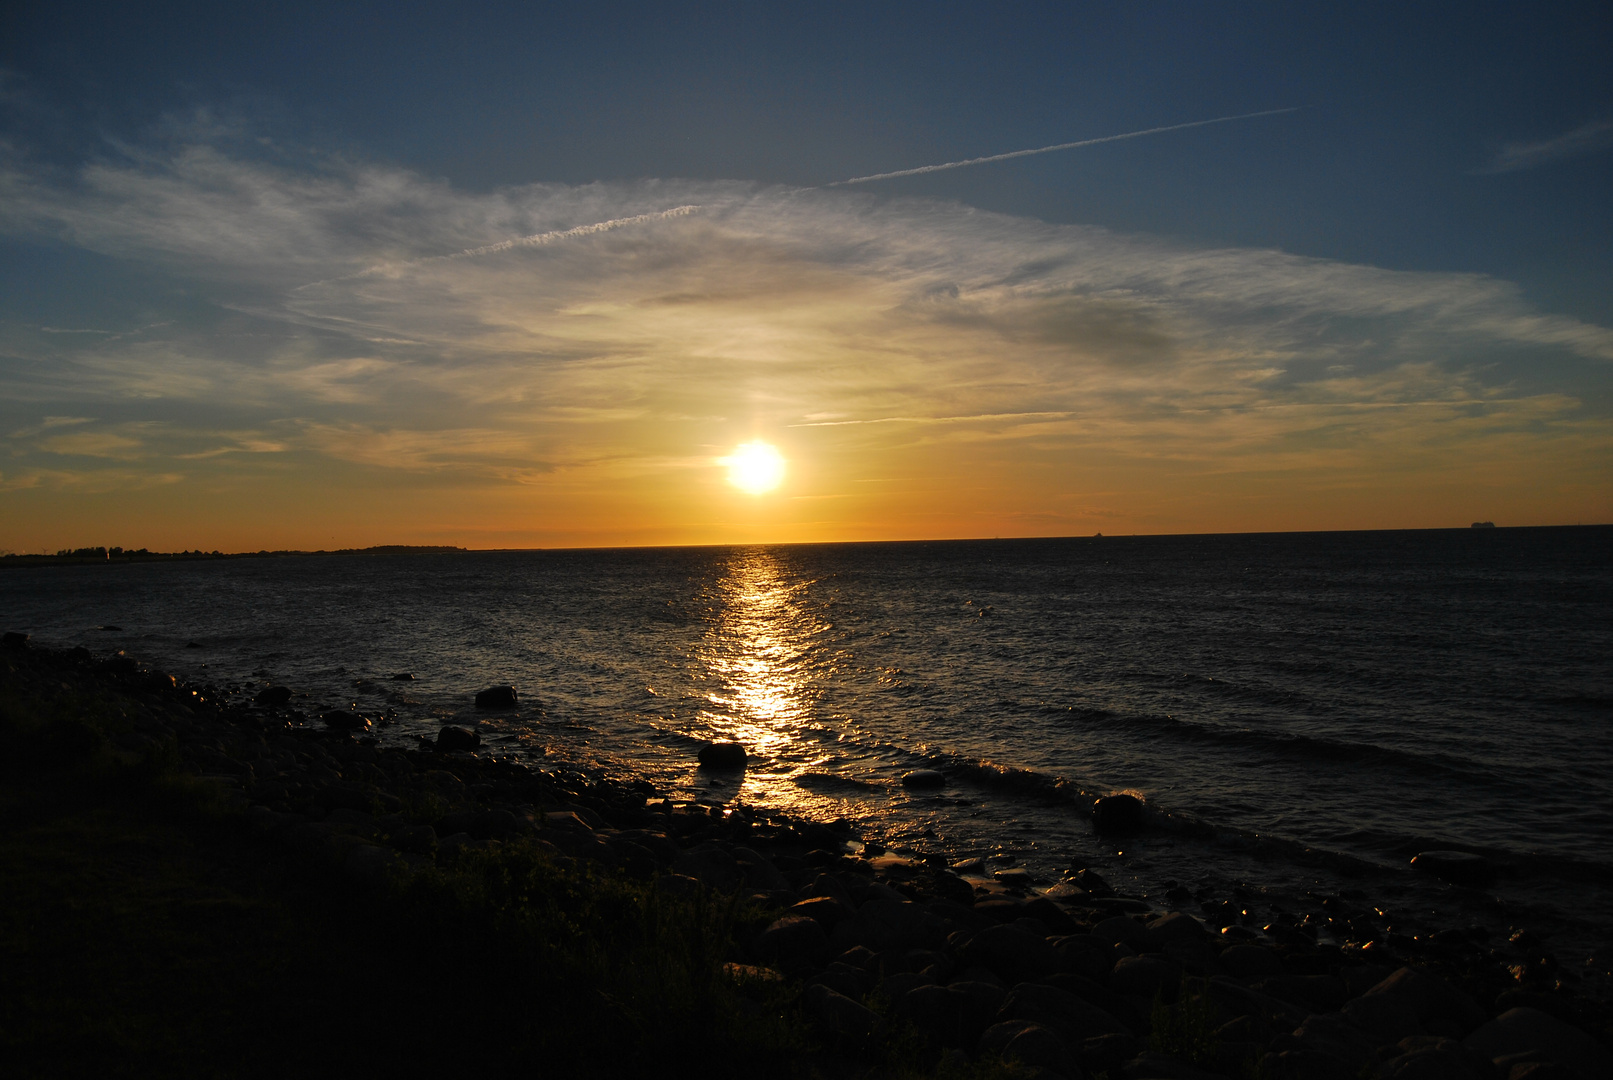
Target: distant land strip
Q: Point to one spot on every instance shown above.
(91, 555)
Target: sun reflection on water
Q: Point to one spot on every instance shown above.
(758, 659)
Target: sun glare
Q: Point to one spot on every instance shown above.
(755, 467)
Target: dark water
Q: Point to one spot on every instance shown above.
(1309, 709)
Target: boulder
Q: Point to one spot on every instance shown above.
(722, 755)
(14, 640)
(1118, 814)
(451, 738)
(1543, 1037)
(838, 1014)
(1414, 1001)
(1457, 867)
(1177, 928)
(795, 943)
(924, 779)
(942, 1014)
(714, 867)
(1250, 962)
(1084, 955)
(273, 696)
(1038, 1048)
(1122, 930)
(496, 697)
(1067, 1016)
(1012, 954)
(342, 720)
(1430, 1057)
(1146, 976)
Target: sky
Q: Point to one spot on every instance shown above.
(316, 276)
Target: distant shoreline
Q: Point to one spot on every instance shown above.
(111, 556)
(99, 556)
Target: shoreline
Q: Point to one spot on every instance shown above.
(870, 940)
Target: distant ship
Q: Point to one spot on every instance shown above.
(1482, 525)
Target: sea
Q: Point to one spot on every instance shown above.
(1301, 712)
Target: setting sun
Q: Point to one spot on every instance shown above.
(755, 467)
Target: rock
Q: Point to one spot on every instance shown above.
(273, 696)
(342, 720)
(1154, 1066)
(1146, 976)
(827, 912)
(839, 1014)
(1107, 1053)
(420, 839)
(496, 697)
(795, 943)
(1429, 1057)
(402, 676)
(722, 755)
(1122, 930)
(1250, 962)
(1039, 1048)
(1419, 1002)
(831, 887)
(1302, 1065)
(14, 640)
(451, 738)
(943, 1014)
(714, 867)
(1118, 814)
(1093, 884)
(1457, 867)
(1084, 955)
(1012, 954)
(1177, 928)
(1543, 1037)
(1338, 1039)
(924, 779)
(1067, 1016)
(760, 874)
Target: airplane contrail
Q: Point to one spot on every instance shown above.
(1058, 146)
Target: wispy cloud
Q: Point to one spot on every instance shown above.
(922, 169)
(1586, 139)
(358, 325)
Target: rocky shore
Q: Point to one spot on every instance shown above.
(888, 962)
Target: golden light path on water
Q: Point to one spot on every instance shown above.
(758, 655)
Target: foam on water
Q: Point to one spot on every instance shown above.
(1298, 709)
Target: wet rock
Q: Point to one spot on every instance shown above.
(402, 676)
(342, 720)
(1118, 814)
(273, 696)
(496, 697)
(451, 738)
(924, 780)
(838, 1014)
(1146, 976)
(1250, 962)
(1038, 1048)
(1093, 883)
(1457, 867)
(722, 755)
(1544, 1037)
(1014, 955)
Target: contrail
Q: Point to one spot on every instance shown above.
(1059, 146)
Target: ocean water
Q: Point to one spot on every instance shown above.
(1304, 711)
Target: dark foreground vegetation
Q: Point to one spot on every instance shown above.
(197, 882)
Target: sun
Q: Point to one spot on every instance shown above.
(755, 467)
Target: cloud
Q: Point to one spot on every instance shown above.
(586, 339)
(1586, 139)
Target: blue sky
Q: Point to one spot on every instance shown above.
(191, 190)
